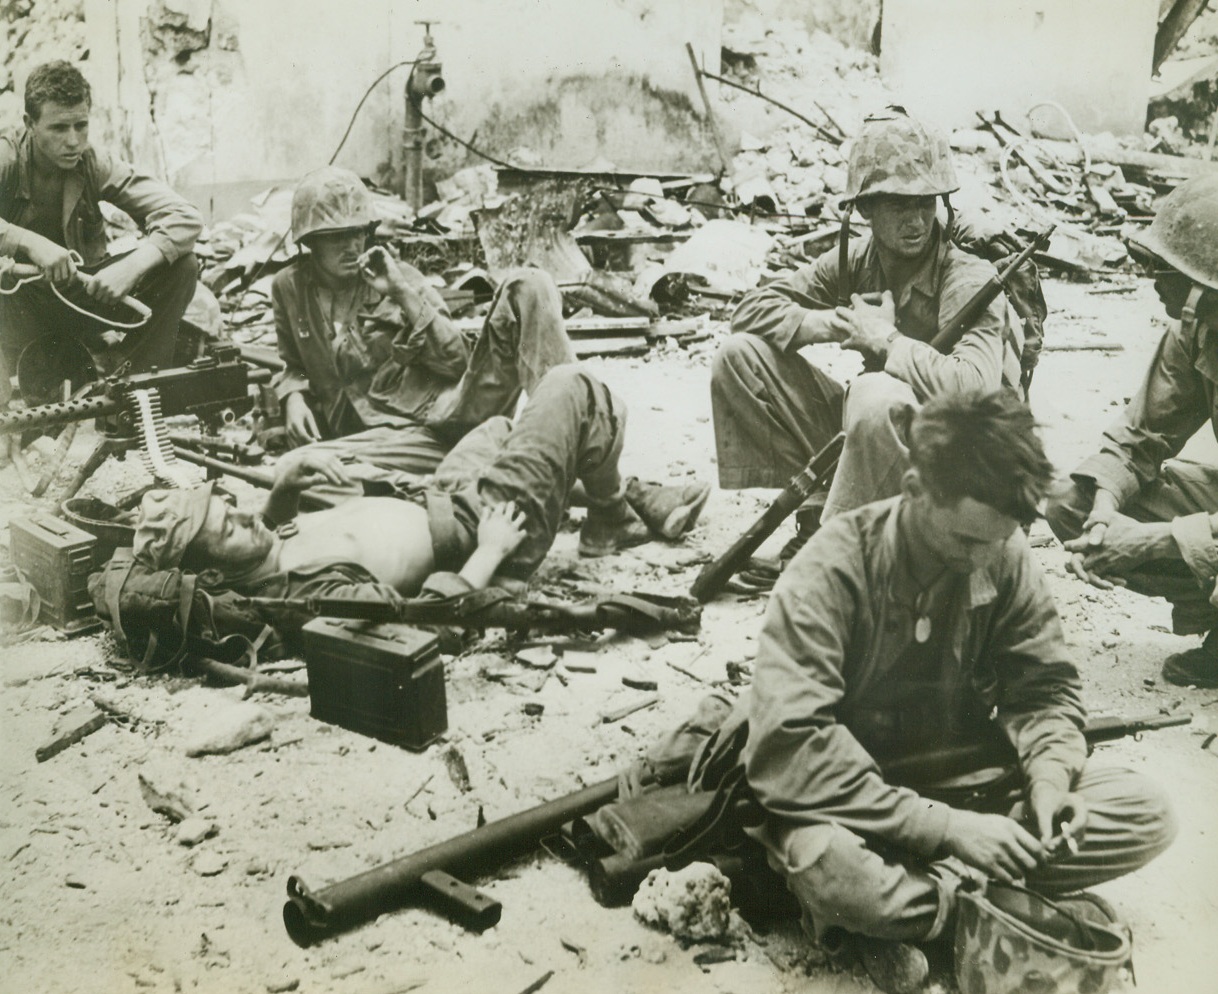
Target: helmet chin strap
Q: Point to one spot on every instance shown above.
(843, 258)
(1188, 313)
(844, 289)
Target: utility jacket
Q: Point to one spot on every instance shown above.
(839, 679)
(372, 366)
(985, 358)
(169, 221)
(1179, 395)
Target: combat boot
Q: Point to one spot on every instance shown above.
(668, 511)
(610, 529)
(1194, 667)
(894, 967)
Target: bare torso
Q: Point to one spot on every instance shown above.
(388, 537)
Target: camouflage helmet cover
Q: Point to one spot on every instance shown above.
(330, 199)
(1184, 233)
(1010, 940)
(894, 154)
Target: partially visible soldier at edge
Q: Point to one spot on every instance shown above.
(1133, 513)
(375, 367)
(773, 409)
(52, 181)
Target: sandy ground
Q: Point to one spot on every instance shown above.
(99, 896)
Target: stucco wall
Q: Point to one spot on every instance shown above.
(227, 95)
(948, 59)
(849, 21)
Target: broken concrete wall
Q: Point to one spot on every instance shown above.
(948, 59)
(224, 97)
(33, 32)
(852, 22)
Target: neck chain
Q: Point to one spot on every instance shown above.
(922, 623)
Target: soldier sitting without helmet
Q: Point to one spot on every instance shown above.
(885, 295)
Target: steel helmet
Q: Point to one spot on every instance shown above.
(330, 199)
(895, 154)
(1184, 233)
(1010, 940)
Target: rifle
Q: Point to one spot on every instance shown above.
(637, 614)
(953, 761)
(426, 876)
(954, 329)
(816, 475)
(818, 472)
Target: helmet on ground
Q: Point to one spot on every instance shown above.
(330, 199)
(1010, 940)
(1184, 233)
(894, 154)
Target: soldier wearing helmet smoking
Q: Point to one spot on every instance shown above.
(1134, 514)
(372, 357)
(884, 295)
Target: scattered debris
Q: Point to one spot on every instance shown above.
(70, 729)
(233, 728)
(458, 772)
(208, 864)
(693, 903)
(166, 795)
(617, 714)
(191, 831)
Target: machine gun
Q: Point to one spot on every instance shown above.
(637, 614)
(426, 876)
(214, 388)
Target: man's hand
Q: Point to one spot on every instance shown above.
(379, 268)
(302, 469)
(868, 327)
(299, 421)
(112, 283)
(995, 844)
(500, 529)
(58, 264)
(1124, 545)
(1059, 815)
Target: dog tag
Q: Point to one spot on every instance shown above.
(922, 629)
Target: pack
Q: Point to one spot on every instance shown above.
(166, 618)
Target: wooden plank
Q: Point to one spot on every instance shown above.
(72, 728)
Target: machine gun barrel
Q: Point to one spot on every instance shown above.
(46, 415)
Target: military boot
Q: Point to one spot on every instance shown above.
(611, 529)
(1194, 667)
(894, 967)
(668, 511)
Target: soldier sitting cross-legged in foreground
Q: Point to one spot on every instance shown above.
(488, 517)
(914, 624)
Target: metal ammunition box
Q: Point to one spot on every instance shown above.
(57, 558)
(383, 680)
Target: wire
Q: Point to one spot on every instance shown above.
(461, 141)
(359, 106)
